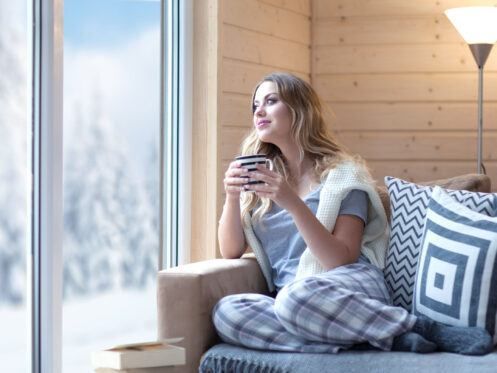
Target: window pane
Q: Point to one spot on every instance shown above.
(13, 181)
(111, 175)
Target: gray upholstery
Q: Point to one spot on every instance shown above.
(224, 358)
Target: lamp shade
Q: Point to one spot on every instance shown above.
(476, 24)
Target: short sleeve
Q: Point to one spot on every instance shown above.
(355, 203)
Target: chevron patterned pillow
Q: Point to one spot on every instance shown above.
(408, 203)
(456, 280)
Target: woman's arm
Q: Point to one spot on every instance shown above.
(230, 231)
(342, 246)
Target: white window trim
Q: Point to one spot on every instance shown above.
(185, 131)
(176, 137)
(45, 47)
(45, 197)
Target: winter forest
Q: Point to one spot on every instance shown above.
(111, 188)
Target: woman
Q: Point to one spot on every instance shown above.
(319, 232)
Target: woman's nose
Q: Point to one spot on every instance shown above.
(259, 110)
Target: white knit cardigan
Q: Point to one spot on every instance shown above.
(345, 177)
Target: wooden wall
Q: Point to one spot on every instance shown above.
(403, 86)
(399, 79)
(258, 37)
(245, 40)
(205, 133)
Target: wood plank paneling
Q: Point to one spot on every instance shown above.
(250, 46)
(384, 30)
(244, 76)
(418, 171)
(205, 133)
(324, 9)
(397, 87)
(297, 6)
(267, 19)
(255, 38)
(399, 78)
(402, 85)
(395, 58)
(398, 116)
(430, 145)
(231, 140)
(236, 110)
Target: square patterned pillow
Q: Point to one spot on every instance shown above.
(456, 280)
(408, 203)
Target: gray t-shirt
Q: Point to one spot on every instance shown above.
(282, 241)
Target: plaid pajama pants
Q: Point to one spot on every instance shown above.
(320, 314)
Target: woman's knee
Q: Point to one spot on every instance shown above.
(291, 298)
(233, 307)
(232, 313)
(225, 306)
(224, 316)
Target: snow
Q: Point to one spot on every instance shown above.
(104, 321)
(111, 195)
(90, 324)
(14, 341)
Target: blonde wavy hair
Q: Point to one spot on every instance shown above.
(308, 129)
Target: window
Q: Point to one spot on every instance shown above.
(112, 133)
(13, 187)
(105, 175)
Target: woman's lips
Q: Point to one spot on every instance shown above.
(262, 123)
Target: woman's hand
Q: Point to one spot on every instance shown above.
(275, 187)
(233, 180)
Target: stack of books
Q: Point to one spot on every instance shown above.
(139, 357)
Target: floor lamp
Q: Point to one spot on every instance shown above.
(478, 27)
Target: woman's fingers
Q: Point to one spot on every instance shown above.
(262, 176)
(233, 182)
(237, 180)
(260, 188)
(235, 188)
(232, 172)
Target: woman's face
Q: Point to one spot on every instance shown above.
(272, 117)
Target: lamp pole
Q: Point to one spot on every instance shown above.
(480, 53)
(478, 27)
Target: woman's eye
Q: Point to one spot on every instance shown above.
(271, 100)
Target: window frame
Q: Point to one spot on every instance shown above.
(45, 89)
(176, 136)
(44, 207)
(185, 95)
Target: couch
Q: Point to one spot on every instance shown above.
(187, 294)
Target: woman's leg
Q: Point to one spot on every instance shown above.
(333, 311)
(345, 306)
(248, 320)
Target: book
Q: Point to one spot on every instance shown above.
(140, 355)
(135, 370)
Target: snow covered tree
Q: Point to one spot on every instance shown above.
(13, 156)
(110, 239)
